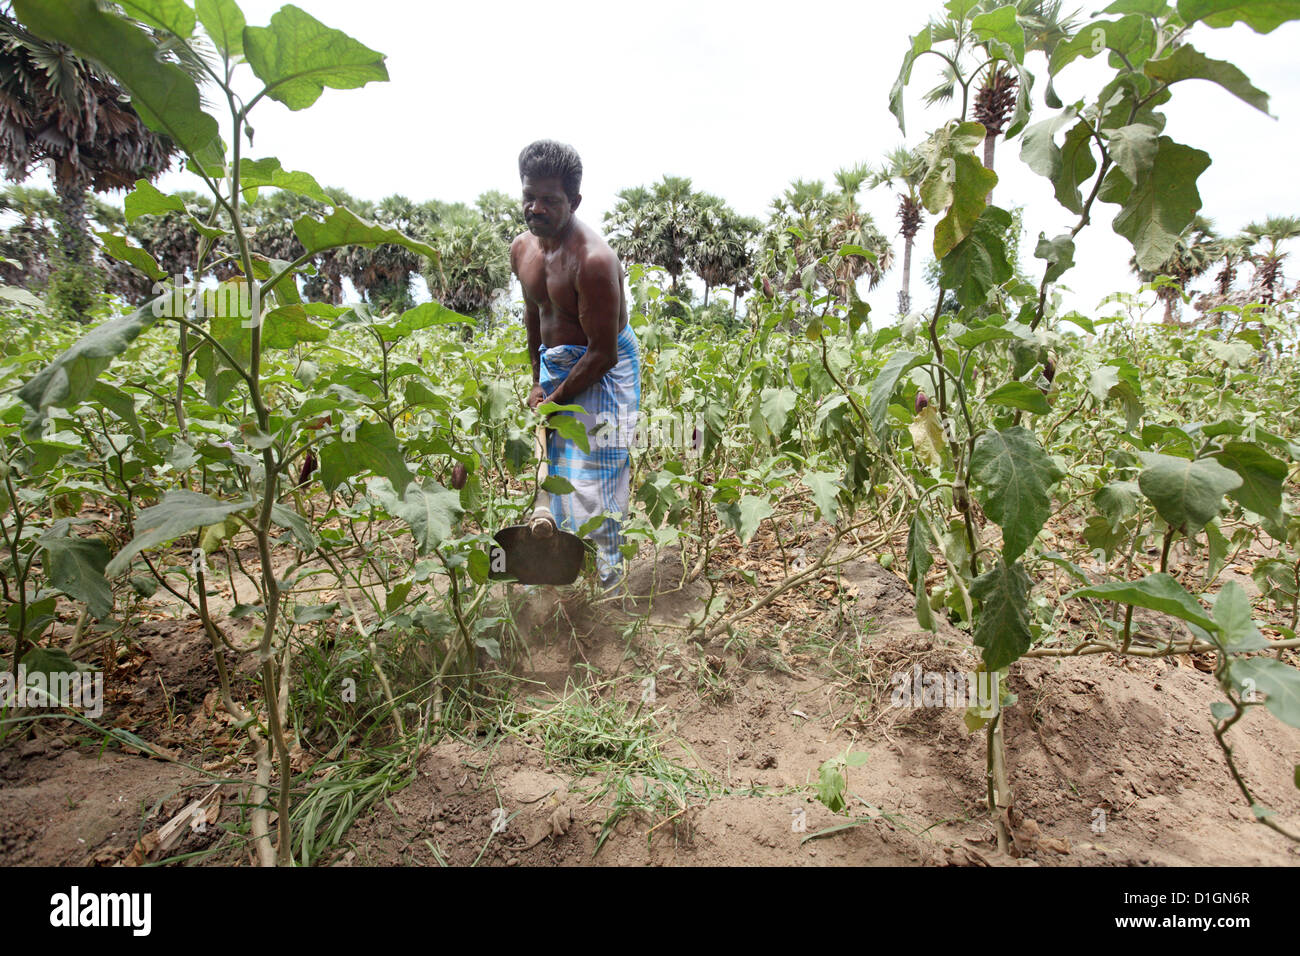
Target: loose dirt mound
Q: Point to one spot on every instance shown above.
(722, 771)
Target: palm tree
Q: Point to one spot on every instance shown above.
(382, 275)
(905, 168)
(474, 266)
(28, 245)
(850, 225)
(1233, 251)
(809, 224)
(503, 211)
(1274, 231)
(57, 108)
(1195, 251)
(722, 254)
(630, 227)
(656, 226)
(795, 234)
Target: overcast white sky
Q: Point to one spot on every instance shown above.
(740, 97)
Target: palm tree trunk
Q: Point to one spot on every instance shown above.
(990, 146)
(74, 230)
(905, 297)
(706, 295)
(1169, 311)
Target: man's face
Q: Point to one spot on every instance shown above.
(547, 209)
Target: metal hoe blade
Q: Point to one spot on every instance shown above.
(530, 559)
(537, 552)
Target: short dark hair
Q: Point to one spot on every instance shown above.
(546, 157)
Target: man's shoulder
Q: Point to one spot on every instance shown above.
(521, 243)
(594, 251)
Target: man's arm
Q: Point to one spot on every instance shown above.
(599, 285)
(532, 325)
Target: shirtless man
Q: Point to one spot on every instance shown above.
(582, 349)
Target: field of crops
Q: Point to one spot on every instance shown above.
(985, 582)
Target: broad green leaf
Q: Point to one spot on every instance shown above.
(1038, 146)
(297, 56)
(1269, 676)
(1014, 475)
(1077, 166)
(40, 615)
(68, 380)
(1058, 253)
(123, 251)
(743, 517)
(825, 487)
(286, 517)
(373, 447)
(343, 227)
(1262, 16)
(499, 401)
(1117, 501)
(116, 401)
(76, 567)
(1133, 148)
(423, 316)
(882, 389)
(957, 182)
(1189, 63)
(919, 44)
(979, 262)
(310, 613)
(479, 566)
(753, 509)
(1187, 494)
(1261, 475)
(1119, 379)
(775, 405)
(1002, 626)
(924, 613)
(1218, 548)
(1232, 354)
(146, 200)
(213, 536)
(174, 16)
(224, 23)
(558, 485)
(571, 429)
(989, 333)
(1155, 592)
(1233, 613)
(1133, 36)
(49, 661)
(20, 296)
(397, 596)
(853, 250)
(659, 495)
(285, 327)
(1019, 395)
(257, 173)
(1162, 202)
(431, 510)
(1001, 24)
(179, 512)
(164, 96)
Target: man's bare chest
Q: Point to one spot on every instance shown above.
(551, 285)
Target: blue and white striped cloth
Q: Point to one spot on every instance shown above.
(601, 478)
